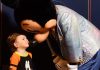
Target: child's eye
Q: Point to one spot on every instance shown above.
(23, 39)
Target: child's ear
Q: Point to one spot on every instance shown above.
(15, 44)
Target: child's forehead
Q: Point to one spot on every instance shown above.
(21, 36)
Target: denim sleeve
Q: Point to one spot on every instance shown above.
(69, 25)
(80, 37)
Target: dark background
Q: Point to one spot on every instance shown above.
(8, 24)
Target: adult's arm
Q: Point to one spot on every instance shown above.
(71, 46)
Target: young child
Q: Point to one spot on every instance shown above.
(20, 59)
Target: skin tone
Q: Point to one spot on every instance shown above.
(41, 33)
(21, 43)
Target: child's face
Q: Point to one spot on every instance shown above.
(21, 42)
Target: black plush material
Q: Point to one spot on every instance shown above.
(40, 11)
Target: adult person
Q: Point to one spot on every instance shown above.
(88, 35)
(76, 29)
(70, 23)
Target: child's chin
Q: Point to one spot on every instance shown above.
(27, 46)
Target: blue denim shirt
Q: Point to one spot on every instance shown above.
(79, 38)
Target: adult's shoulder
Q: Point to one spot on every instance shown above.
(64, 9)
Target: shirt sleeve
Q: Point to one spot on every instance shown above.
(14, 60)
(69, 23)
